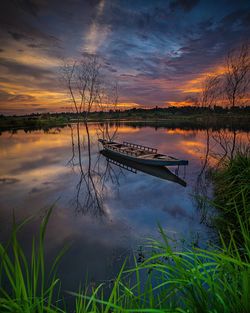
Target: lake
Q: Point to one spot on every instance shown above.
(103, 211)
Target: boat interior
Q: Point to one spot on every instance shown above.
(139, 151)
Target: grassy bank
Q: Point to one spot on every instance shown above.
(232, 197)
(196, 280)
(32, 122)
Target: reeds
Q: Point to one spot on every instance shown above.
(216, 280)
(25, 285)
(232, 196)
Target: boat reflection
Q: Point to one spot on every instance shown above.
(157, 171)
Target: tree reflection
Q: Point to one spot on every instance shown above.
(85, 161)
(221, 145)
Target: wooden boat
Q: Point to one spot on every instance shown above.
(140, 154)
(157, 171)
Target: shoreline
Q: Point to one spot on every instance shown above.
(199, 121)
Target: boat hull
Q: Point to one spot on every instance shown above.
(157, 171)
(151, 162)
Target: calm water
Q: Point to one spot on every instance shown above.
(104, 213)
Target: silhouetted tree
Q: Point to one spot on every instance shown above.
(84, 82)
(211, 90)
(237, 76)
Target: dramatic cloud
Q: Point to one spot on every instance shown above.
(5, 96)
(159, 51)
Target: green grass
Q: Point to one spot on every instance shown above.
(214, 280)
(25, 285)
(232, 196)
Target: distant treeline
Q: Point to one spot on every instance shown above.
(184, 110)
(188, 117)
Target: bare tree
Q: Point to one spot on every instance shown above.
(87, 91)
(84, 82)
(237, 79)
(221, 144)
(108, 101)
(210, 93)
(237, 76)
(211, 90)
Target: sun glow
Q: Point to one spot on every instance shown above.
(195, 85)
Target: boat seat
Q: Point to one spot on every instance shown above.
(146, 155)
(124, 148)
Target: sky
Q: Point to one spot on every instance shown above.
(158, 51)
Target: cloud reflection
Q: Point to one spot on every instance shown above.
(37, 163)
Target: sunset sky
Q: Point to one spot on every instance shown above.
(158, 51)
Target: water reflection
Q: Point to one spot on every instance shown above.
(38, 168)
(90, 188)
(157, 171)
(221, 145)
(88, 197)
(93, 177)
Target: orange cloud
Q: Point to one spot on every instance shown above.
(179, 103)
(195, 85)
(127, 105)
(34, 99)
